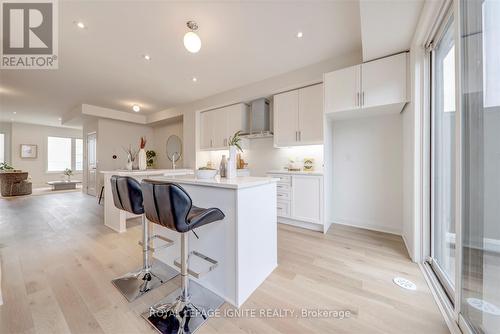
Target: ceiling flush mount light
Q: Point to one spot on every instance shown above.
(147, 57)
(192, 41)
(300, 34)
(194, 79)
(136, 108)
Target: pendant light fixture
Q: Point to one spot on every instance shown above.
(192, 41)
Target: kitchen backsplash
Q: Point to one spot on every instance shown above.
(262, 156)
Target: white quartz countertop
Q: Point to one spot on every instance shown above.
(302, 172)
(239, 182)
(124, 172)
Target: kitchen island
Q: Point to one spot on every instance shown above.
(244, 243)
(117, 219)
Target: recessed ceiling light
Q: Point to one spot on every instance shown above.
(14, 112)
(300, 34)
(60, 119)
(194, 79)
(136, 108)
(80, 24)
(147, 57)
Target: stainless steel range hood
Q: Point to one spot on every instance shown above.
(259, 120)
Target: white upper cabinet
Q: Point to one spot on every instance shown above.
(217, 125)
(384, 81)
(342, 89)
(206, 130)
(298, 117)
(236, 119)
(376, 86)
(219, 133)
(286, 117)
(311, 115)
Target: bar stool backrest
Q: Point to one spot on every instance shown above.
(127, 194)
(167, 204)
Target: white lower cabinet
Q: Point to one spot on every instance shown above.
(300, 200)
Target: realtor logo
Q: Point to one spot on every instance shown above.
(29, 34)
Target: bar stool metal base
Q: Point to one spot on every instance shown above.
(135, 284)
(171, 312)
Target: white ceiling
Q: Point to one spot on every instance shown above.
(242, 42)
(387, 27)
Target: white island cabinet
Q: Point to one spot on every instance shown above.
(117, 219)
(244, 243)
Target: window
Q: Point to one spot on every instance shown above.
(2, 147)
(480, 116)
(64, 153)
(78, 154)
(443, 157)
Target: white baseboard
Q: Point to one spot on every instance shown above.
(410, 254)
(301, 224)
(378, 228)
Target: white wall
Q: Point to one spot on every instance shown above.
(415, 141)
(411, 169)
(367, 173)
(161, 134)
(37, 135)
(112, 137)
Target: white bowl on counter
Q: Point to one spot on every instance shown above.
(206, 173)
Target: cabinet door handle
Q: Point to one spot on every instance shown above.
(300, 135)
(211, 144)
(296, 135)
(363, 98)
(357, 99)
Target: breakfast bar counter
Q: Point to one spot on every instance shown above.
(244, 243)
(117, 219)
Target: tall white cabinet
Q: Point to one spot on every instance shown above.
(298, 117)
(378, 86)
(217, 125)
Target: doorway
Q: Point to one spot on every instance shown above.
(91, 169)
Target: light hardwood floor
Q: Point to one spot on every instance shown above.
(58, 259)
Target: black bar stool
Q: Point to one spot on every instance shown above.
(170, 206)
(127, 195)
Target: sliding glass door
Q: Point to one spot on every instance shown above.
(443, 118)
(480, 99)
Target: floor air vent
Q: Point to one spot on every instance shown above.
(404, 283)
